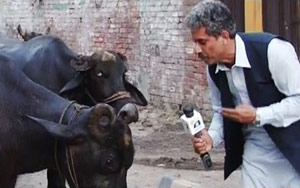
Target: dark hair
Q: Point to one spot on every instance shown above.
(214, 15)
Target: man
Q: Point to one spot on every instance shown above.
(254, 81)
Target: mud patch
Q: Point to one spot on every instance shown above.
(160, 141)
(182, 163)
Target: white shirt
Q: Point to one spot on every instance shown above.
(264, 166)
(285, 70)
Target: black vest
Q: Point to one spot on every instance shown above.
(262, 92)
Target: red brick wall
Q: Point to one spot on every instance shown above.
(150, 33)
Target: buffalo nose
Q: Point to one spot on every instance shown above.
(129, 113)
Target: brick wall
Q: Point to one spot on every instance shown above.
(151, 33)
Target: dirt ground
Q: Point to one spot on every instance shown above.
(162, 150)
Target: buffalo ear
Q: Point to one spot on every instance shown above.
(72, 84)
(136, 96)
(81, 63)
(66, 133)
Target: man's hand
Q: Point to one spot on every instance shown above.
(203, 144)
(243, 113)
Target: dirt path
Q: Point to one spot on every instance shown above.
(141, 176)
(162, 149)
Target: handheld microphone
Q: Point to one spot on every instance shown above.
(193, 123)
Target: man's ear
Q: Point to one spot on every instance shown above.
(225, 36)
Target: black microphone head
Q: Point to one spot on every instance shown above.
(188, 110)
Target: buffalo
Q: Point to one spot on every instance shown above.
(93, 145)
(100, 77)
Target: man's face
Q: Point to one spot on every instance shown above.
(207, 47)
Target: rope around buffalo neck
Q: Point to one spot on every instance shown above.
(115, 97)
(72, 175)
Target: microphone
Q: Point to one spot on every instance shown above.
(193, 123)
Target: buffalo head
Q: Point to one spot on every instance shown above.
(103, 77)
(98, 146)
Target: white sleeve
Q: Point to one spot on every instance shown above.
(216, 127)
(285, 70)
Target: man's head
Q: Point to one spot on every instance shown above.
(213, 29)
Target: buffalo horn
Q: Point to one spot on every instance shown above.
(47, 30)
(101, 119)
(20, 31)
(81, 63)
(103, 56)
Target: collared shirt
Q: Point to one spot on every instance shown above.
(263, 163)
(285, 70)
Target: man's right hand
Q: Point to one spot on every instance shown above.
(203, 144)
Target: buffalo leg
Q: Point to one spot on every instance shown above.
(54, 180)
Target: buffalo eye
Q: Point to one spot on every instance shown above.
(100, 74)
(109, 163)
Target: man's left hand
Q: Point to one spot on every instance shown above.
(243, 113)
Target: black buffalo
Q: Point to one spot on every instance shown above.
(100, 77)
(94, 146)
(48, 61)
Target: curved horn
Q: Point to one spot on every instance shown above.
(47, 30)
(103, 56)
(129, 113)
(101, 119)
(107, 56)
(21, 32)
(81, 63)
